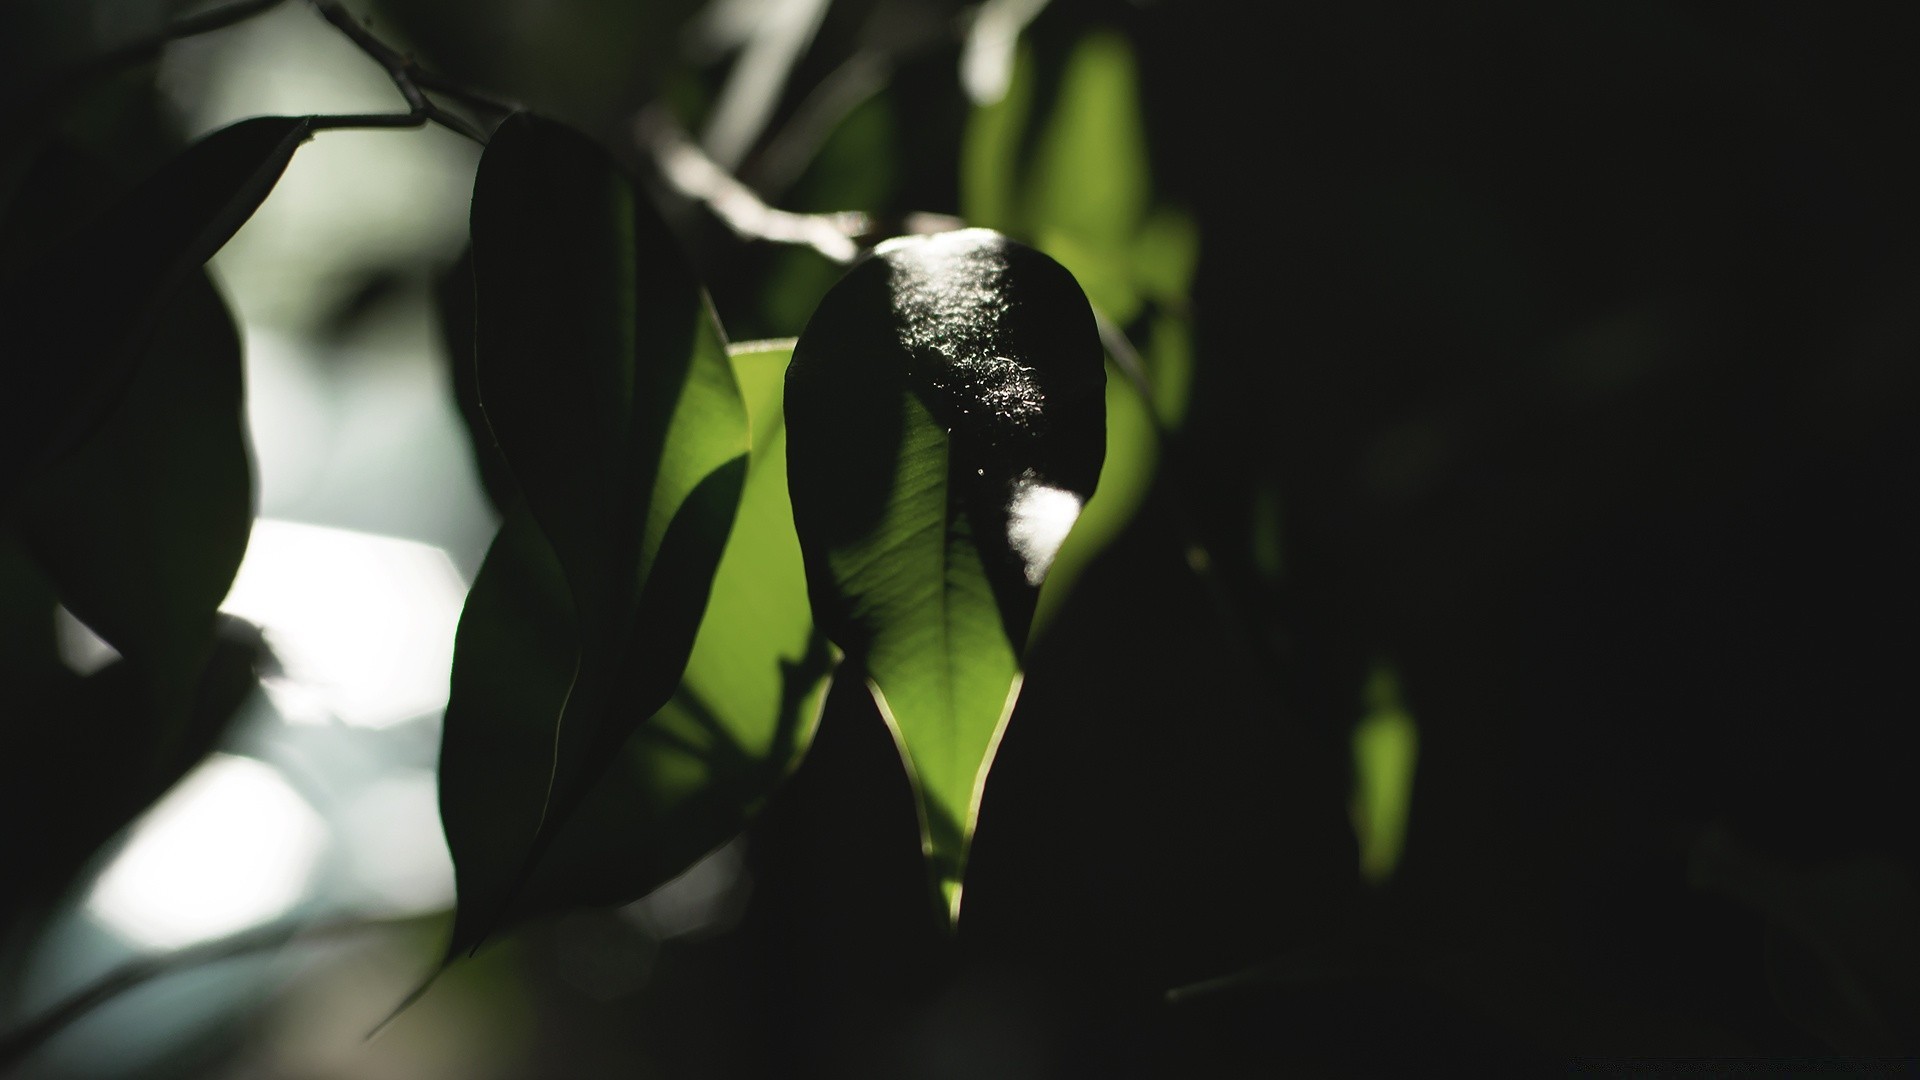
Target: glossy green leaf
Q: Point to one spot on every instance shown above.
(603, 378)
(78, 316)
(946, 413)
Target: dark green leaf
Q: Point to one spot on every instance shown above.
(947, 418)
(453, 296)
(604, 379)
(76, 319)
(142, 527)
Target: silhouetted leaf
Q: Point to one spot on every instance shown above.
(947, 424)
(138, 532)
(75, 320)
(604, 379)
(142, 527)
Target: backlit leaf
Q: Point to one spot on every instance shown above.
(947, 422)
(604, 380)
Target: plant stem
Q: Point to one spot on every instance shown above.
(406, 77)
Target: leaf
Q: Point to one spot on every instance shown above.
(138, 532)
(78, 317)
(689, 778)
(685, 781)
(453, 301)
(1090, 173)
(604, 379)
(990, 152)
(142, 528)
(946, 417)
(1132, 459)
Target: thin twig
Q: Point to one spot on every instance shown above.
(16, 1046)
(404, 73)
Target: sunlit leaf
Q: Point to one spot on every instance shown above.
(604, 379)
(77, 317)
(946, 415)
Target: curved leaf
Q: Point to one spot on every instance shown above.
(685, 781)
(689, 778)
(947, 422)
(78, 317)
(143, 526)
(603, 377)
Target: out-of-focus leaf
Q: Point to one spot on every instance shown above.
(603, 376)
(138, 532)
(82, 757)
(1165, 255)
(1386, 746)
(990, 153)
(1842, 940)
(1090, 171)
(1168, 355)
(75, 320)
(946, 417)
(1087, 188)
(142, 527)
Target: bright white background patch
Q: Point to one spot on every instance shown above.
(231, 847)
(363, 624)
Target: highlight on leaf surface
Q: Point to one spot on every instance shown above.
(603, 380)
(946, 416)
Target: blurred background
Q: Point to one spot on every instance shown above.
(1501, 645)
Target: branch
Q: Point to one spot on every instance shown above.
(406, 76)
(838, 236)
(16, 1046)
(693, 174)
